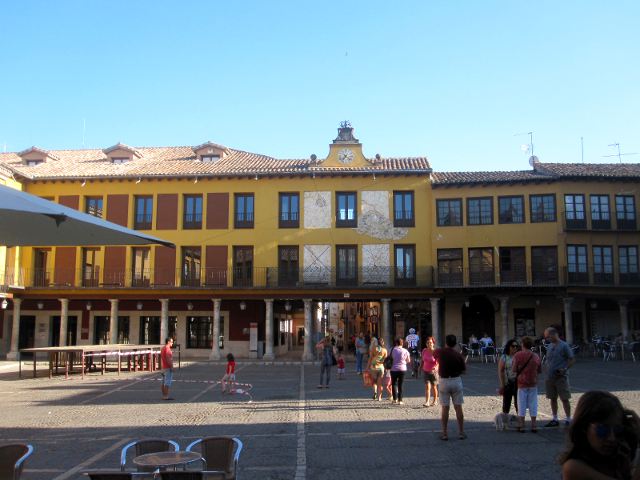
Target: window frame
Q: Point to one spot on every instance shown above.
(405, 274)
(290, 218)
(544, 216)
(350, 269)
(243, 261)
(482, 214)
(143, 220)
(203, 325)
(501, 215)
(627, 217)
(90, 266)
(244, 205)
(579, 220)
(544, 265)
(600, 209)
(484, 275)
(89, 208)
(190, 266)
(288, 268)
(446, 206)
(450, 267)
(192, 214)
(628, 271)
(403, 217)
(349, 197)
(602, 270)
(141, 272)
(515, 273)
(577, 270)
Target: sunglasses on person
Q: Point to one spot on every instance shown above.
(604, 430)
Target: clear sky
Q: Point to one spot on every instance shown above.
(456, 81)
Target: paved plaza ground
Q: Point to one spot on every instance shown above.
(290, 428)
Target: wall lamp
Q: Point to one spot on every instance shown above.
(287, 306)
(88, 306)
(243, 305)
(467, 303)
(139, 305)
(40, 305)
(189, 306)
(4, 304)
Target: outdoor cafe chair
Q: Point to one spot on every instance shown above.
(634, 349)
(489, 352)
(473, 350)
(12, 458)
(149, 445)
(193, 475)
(219, 453)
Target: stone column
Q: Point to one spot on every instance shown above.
(64, 320)
(164, 319)
(215, 347)
(268, 330)
(624, 318)
(385, 322)
(307, 354)
(435, 321)
(568, 320)
(15, 330)
(504, 315)
(113, 321)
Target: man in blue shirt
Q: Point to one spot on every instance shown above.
(559, 360)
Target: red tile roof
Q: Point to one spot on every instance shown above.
(182, 161)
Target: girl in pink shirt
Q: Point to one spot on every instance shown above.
(430, 371)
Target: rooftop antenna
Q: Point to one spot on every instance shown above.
(582, 148)
(619, 155)
(84, 129)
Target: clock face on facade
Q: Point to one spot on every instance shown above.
(345, 156)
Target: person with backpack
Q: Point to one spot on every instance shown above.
(398, 359)
(375, 366)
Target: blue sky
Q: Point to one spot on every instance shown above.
(453, 80)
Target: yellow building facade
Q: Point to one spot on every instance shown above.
(270, 254)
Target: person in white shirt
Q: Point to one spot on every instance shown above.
(486, 341)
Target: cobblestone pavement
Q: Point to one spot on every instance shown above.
(290, 428)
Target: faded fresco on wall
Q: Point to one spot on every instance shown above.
(317, 210)
(376, 266)
(317, 264)
(374, 218)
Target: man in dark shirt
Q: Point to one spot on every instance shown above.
(451, 366)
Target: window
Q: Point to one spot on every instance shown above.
(481, 266)
(511, 209)
(120, 160)
(243, 217)
(199, 332)
(242, 266)
(543, 208)
(346, 214)
(346, 265)
(150, 331)
(94, 206)
(628, 265)
(289, 210)
(403, 214)
(40, 272)
(143, 212)
(600, 212)
(405, 267)
(140, 268)
(191, 266)
(577, 264)
(90, 267)
(288, 266)
(192, 213)
(544, 265)
(449, 212)
(625, 212)
(574, 212)
(101, 329)
(33, 163)
(449, 267)
(513, 268)
(602, 265)
(209, 158)
(479, 211)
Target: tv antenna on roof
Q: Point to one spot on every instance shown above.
(527, 148)
(619, 155)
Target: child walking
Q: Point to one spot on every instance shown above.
(341, 369)
(230, 374)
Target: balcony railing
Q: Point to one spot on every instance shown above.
(598, 225)
(319, 278)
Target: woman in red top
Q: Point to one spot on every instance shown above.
(526, 365)
(230, 374)
(430, 372)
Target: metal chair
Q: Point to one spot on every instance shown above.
(474, 350)
(489, 352)
(12, 458)
(634, 349)
(608, 351)
(219, 453)
(150, 445)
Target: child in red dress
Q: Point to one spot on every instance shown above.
(230, 374)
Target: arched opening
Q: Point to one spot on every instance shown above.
(478, 318)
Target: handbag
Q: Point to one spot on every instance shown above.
(388, 361)
(366, 378)
(334, 362)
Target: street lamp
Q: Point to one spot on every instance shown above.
(243, 305)
(4, 304)
(287, 306)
